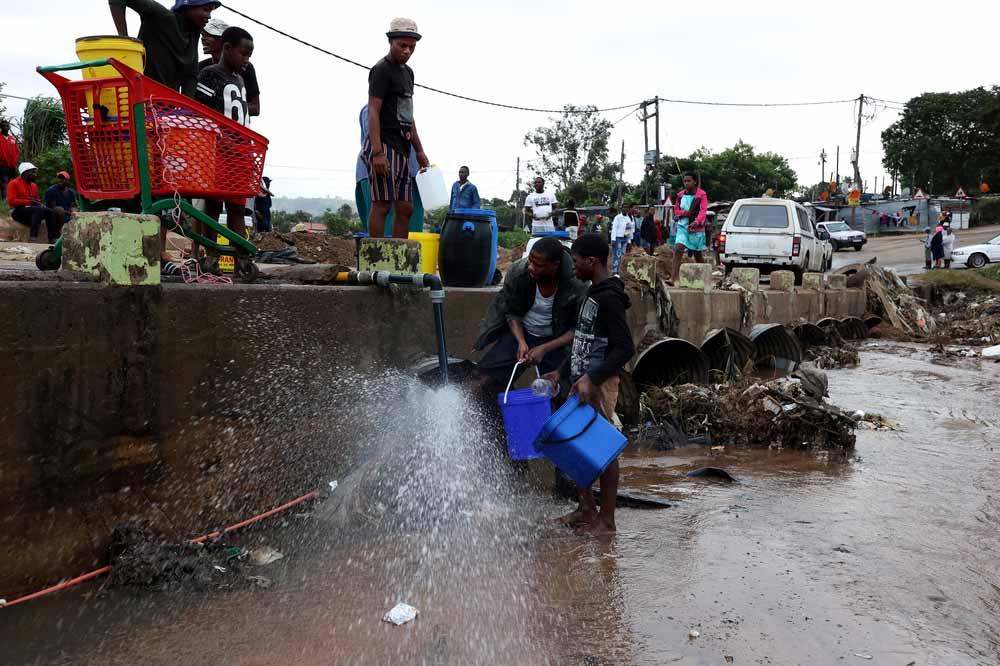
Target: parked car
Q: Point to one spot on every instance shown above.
(841, 235)
(977, 256)
(773, 234)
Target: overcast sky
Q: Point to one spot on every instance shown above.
(546, 53)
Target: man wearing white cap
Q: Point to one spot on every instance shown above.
(26, 205)
(211, 45)
(392, 131)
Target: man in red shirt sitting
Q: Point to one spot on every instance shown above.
(26, 205)
(9, 154)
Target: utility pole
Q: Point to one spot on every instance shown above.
(621, 178)
(857, 141)
(517, 192)
(838, 169)
(822, 168)
(650, 164)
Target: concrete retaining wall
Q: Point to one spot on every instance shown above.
(194, 406)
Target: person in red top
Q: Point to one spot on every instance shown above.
(26, 206)
(9, 154)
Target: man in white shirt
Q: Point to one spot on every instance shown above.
(540, 206)
(619, 237)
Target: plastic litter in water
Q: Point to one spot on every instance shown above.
(400, 614)
(694, 633)
(265, 555)
(333, 486)
(542, 387)
(992, 352)
(863, 656)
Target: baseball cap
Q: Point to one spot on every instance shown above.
(181, 4)
(403, 27)
(63, 174)
(215, 27)
(25, 166)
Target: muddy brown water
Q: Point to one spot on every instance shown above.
(887, 557)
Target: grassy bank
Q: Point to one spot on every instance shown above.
(984, 279)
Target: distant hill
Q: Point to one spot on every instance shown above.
(314, 207)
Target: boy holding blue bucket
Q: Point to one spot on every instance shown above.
(602, 345)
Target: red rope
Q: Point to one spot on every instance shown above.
(107, 569)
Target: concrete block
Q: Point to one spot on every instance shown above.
(696, 276)
(782, 280)
(813, 281)
(836, 282)
(117, 248)
(748, 278)
(18, 233)
(640, 268)
(397, 255)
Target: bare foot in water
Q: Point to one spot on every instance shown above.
(575, 518)
(596, 528)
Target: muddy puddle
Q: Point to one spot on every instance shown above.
(887, 556)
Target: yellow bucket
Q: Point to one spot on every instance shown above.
(429, 244)
(127, 50)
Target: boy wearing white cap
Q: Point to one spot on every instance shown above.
(26, 205)
(211, 45)
(392, 131)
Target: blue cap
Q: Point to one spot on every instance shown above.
(181, 4)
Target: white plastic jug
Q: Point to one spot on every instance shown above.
(430, 184)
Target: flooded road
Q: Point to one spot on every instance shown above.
(887, 557)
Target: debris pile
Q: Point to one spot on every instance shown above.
(970, 319)
(893, 301)
(142, 559)
(320, 248)
(784, 413)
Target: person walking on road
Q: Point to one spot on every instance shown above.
(463, 193)
(647, 233)
(937, 247)
(392, 131)
(619, 237)
(947, 243)
(690, 211)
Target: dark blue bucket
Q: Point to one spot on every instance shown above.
(524, 414)
(580, 442)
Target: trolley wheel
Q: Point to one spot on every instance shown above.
(247, 269)
(47, 260)
(208, 264)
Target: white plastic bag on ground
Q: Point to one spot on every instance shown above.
(400, 614)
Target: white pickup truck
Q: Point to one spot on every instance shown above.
(773, 234)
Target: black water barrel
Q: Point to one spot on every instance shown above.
(467, 256)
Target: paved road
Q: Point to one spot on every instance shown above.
(906, 253)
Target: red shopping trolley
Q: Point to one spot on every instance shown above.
(133, 137)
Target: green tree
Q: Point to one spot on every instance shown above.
(573, 148)
(946, 140)
(341, 222)
(42, 127)
(51, 162)
(508, 216)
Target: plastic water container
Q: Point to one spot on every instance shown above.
(580, 442)
(468, 251)
(127, 50)
(524, 414)
(433, 192)
(429, 245)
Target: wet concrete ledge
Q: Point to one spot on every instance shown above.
(194, 406)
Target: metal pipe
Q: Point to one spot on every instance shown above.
(433, 282)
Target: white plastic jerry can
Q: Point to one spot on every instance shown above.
(433, 192)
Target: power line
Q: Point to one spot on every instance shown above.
(528, 108)
(420, 85)
(26, 99)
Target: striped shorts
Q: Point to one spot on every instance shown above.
(398, 186)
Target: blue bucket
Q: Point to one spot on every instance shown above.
(524, 414)
(580, 442)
